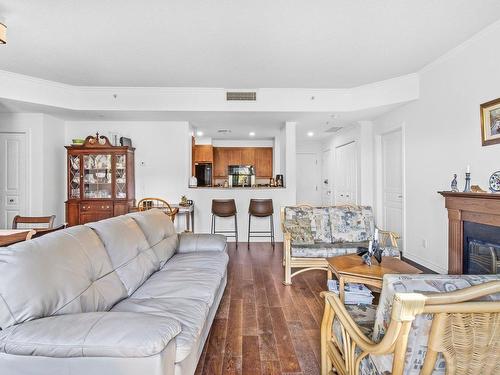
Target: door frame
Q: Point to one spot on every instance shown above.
(27, 169)
(379, 195)
(319, 191)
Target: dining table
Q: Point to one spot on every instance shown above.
(12, 236)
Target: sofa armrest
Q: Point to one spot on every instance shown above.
(189, 242)
(93, 334)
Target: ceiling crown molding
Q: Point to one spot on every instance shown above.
(29, 89)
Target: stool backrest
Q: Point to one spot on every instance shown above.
(261, 207)
(223, 207)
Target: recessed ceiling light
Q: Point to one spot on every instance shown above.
(251, 134)
(310, 134)
(199, 133)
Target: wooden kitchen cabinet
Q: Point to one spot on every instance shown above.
(203, 154)
(247, 156)
(221, 159)
(264, 162)
(260, 157)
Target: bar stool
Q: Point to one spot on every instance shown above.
(261, 208)
(225, 208)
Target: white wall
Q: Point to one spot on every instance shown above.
(162, 167)
(442, 136)
(46, 168)
(54, 167)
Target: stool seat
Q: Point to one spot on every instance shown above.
(261, 208)
(225, 208)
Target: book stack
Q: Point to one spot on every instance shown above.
(355, 294)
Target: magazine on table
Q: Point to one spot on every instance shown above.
(354, 293)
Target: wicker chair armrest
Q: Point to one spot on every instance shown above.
(405, 308)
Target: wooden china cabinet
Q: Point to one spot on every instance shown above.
(101, 182)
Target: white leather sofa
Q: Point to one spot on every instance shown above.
(123, 296)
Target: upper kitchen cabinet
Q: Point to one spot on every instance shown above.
(221, 160)
(203, 154)
(247, 156)
(260, 157)
(264, 162)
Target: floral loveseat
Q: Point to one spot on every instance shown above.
(424, 324)
(312, 234)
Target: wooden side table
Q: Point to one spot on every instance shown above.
(352, 269)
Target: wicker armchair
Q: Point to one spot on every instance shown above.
(314, 258)
(149, 203)
(464, 335)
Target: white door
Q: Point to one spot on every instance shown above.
(346, 174)
(12, 177)
(392, 182)
(326, 183)
(308, 191)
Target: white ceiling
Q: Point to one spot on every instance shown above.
(233, 43)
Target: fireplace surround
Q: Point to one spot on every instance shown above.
(465, 210)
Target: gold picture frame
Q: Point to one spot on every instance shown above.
(490, 122)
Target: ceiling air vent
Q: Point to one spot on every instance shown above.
(224, 131)
(334, 129)
(241, 95)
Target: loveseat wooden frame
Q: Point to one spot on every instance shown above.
(308, 264)
(466, 332)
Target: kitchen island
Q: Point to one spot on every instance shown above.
(202, 197)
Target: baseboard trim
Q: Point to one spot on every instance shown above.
(417, 265)
(423, 264)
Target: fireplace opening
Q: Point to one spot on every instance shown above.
(481, 249)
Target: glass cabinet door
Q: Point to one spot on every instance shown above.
(74, 176)
(121, 176)
(97, 176)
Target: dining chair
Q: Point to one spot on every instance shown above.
(33, 222)
(150, 203)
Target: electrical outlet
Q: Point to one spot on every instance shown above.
(425, 243)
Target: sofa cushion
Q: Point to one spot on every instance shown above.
(67, 271)
(298, 224)
(351, 223)
(129, 251)
(159, 231)
(98, 334)
(181, 283)
(190, 242)
(417, 347)
(190, 313)
(320, 224)
(201, 260)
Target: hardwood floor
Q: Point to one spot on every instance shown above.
(263, 327)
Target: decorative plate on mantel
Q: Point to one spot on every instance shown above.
(495, 182)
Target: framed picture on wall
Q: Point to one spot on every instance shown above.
(490, 122)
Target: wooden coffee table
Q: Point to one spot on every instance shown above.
(352, 269)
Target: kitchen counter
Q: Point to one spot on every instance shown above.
(202, 197)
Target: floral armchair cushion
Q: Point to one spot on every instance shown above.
(298, 224)
(351, 224)
(417, 340)
(308, 225)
